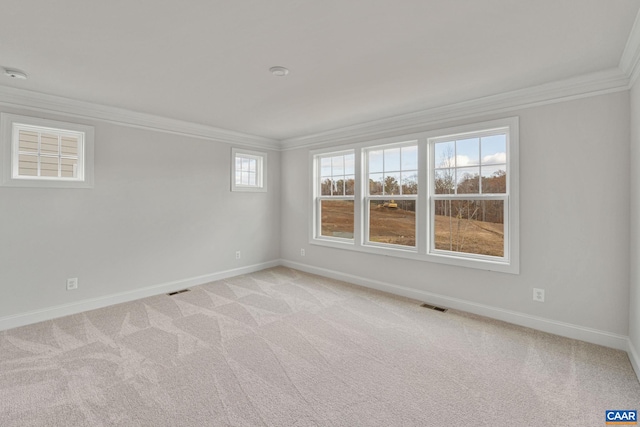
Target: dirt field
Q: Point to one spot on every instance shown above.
(397, 226)
(475, 237)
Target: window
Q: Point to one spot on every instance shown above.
(392, 192)
(469, 196)
(335, 185)
(46, 153)
(447, 196)
(248, 170)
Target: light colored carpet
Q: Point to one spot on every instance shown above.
(285, 348)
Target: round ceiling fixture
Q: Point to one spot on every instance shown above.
(15, 74)
(279, 71)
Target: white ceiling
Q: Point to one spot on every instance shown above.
(351, 61)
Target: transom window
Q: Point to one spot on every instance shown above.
(46, 153)
(248, 170)
(446, 196)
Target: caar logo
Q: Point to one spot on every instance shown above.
(621, 417)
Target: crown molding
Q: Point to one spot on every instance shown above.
(20, 98)
(609, 81)
(631, 55)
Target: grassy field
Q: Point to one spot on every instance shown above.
(397, 226)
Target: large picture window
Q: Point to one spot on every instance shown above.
(447, 196)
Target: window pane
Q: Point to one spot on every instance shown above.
(350, 183)
(252, 178)
(49, 144)
(494, 179)
(376, 183)
(69, 146)
(392, 160)
(410, 158)
(444, 154)
(392, 183)
(337, 218)
(468, 180)
(27, 165)
(252, 165)
(325, 187)
(28, 141)
(49, 166)
(69, 168)
(392, 222)
(494, 149)
(337, 166)
(410, 182)
(349, 164)
(468, 152)
(338, 187)
(470, 226)
(444, 181)
(325, 166)
(375, 161)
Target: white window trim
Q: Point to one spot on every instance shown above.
(261, 171)
(367, 198)
(318, 198)
(8, 148)
(509, 264)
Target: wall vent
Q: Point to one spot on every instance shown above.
(434, 307)
(177, 292)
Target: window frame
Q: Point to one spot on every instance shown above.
(261, 170)
(368, 197)
(319, 197)
(425, 201)
(12, 124)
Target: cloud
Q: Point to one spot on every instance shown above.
(495, 158)
(462, 161)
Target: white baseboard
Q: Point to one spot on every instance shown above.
(559, 328)
(49, 313)
(568, 330)
(634, 357)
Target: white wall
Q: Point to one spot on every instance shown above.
(574, 216)
(161, 211)
(634, 300)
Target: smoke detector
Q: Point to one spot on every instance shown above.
(15, 74)
(279, 71)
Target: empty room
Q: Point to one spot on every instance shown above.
(319, 213)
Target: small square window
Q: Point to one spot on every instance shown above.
(248, 170)
(45, 153)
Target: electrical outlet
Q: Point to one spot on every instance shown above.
(237, 254)
(72, 284)
(538, 294)
(301, 252)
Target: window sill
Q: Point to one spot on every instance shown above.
(412, 254)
